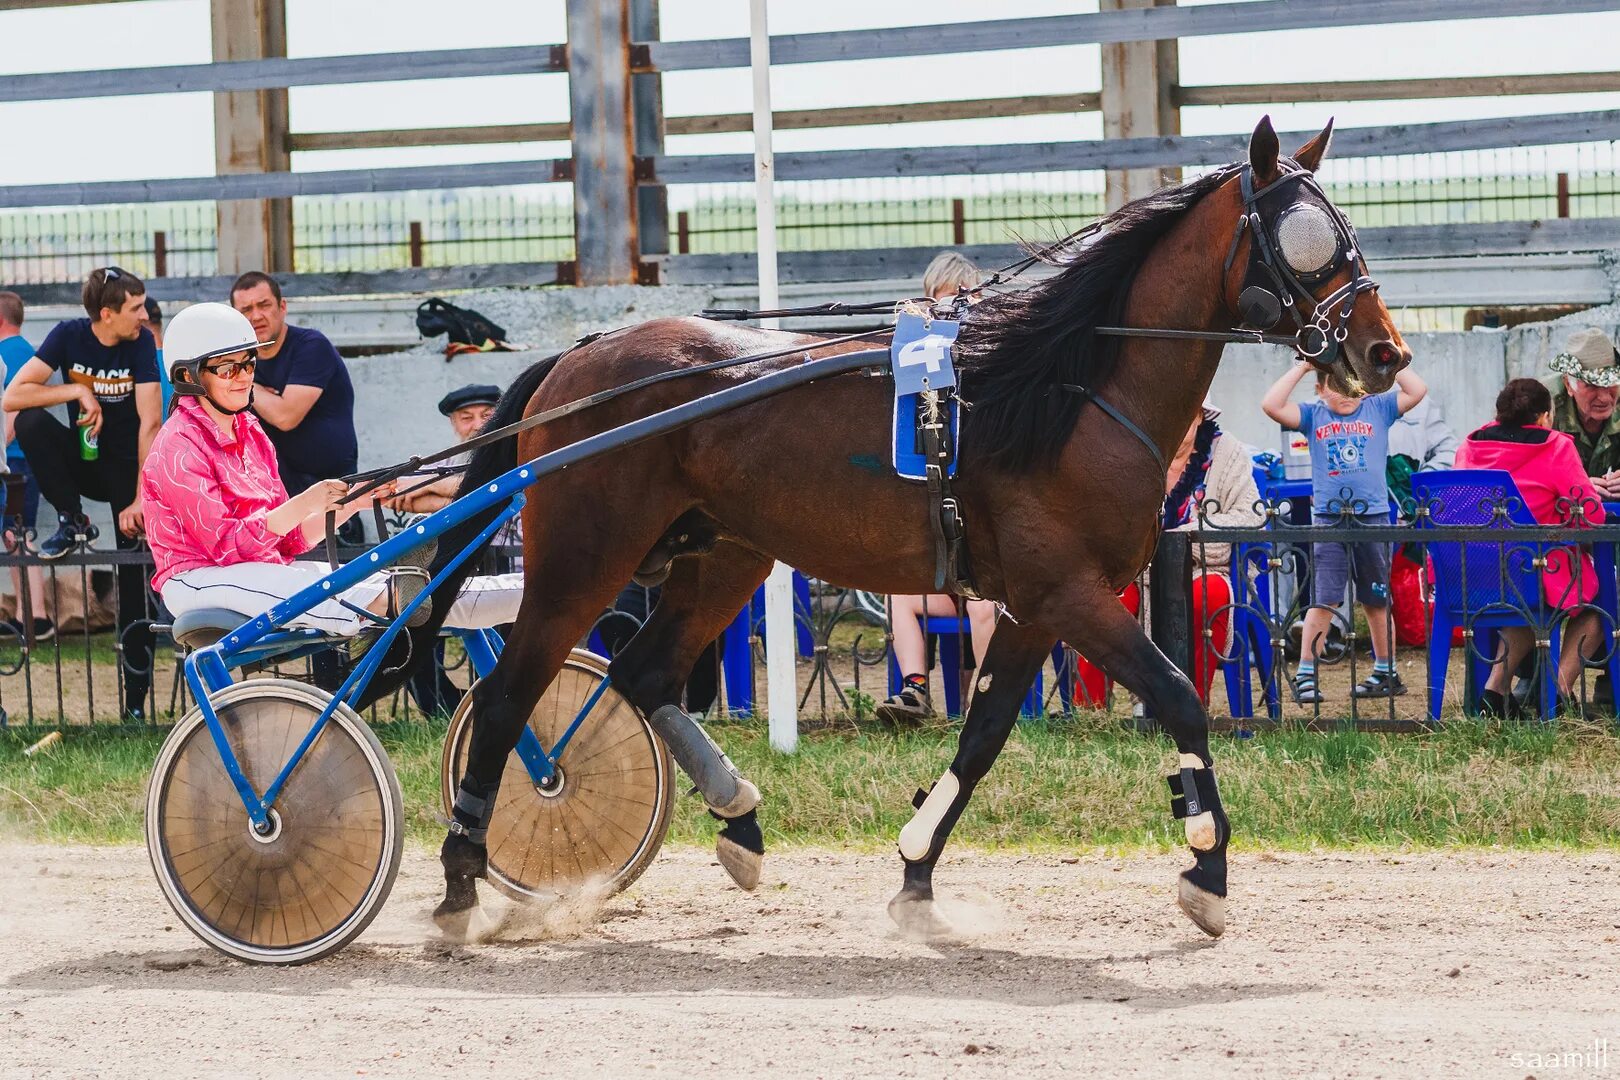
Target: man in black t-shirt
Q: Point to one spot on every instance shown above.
(108, 365)
(301, 389)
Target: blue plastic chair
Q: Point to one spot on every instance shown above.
(736, 659)
(1476, 579)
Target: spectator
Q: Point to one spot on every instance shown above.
(108, 364)
(224, 533)
(1547, 469)
(154, 323)
(948, 274)
(1210, 482)
(22, 490)
(1584, 388)
(301, 392)
(468, 409)
(1348, 438)
(1424, 436)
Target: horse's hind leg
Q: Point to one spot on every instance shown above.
(574, 576)
(701, 596)
(1014, 656)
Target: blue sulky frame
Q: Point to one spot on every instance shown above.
(261, 638)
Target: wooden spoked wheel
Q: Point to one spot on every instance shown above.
(323, 872)
(602, 820)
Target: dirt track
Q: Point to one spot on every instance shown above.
(1343, 966)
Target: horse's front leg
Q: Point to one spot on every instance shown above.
(1010, 664)
(1109, 636)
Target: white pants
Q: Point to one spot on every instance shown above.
(252, 588)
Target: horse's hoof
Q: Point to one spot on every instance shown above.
(1204, 908)
(918, 918)
(742, 864)
(454, 913)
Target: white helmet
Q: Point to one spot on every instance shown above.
(200, 333)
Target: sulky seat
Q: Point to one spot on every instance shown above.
(204, 626)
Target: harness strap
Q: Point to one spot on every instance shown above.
(1124, 421)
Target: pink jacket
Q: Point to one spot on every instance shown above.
(206, 495)
(1547, 474)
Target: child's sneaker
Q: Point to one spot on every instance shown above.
(1380, 684)
(1303, 687)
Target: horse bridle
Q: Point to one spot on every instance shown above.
(1276, 282)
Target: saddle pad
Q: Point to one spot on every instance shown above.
(921, 360)
(910, 462)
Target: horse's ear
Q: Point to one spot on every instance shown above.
(1311, 154)
(1263, 151)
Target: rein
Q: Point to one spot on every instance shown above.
(376, 478)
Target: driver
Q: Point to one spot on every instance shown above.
(223, 532)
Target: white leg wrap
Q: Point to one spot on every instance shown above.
(1200, 827)
(918, 835)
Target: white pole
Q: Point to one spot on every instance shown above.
(781, 655)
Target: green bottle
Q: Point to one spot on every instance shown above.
(89, 444)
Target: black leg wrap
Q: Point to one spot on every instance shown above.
(743, 831)
(1205, 794)
(471, 814)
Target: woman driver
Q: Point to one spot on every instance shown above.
(223, 532)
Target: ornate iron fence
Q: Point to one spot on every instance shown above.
(1473, 576)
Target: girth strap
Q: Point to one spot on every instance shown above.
(951, 565)
(1124, 421)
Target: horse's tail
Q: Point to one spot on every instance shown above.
(488, 462)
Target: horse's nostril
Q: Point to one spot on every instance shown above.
(1383, 354)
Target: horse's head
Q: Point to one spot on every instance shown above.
(1295, 266)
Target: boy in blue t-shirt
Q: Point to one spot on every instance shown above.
(1348, 438)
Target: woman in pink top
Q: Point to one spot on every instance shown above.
(1553, 483)
(223, 532)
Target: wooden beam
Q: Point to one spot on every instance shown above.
(606, 246)
(1553, 235)
(1165, 151)
(1137, 153)
(476, 135)
(286, 184)
(1150, 24)
(1137, 80)
(1579, 82)
(358, 283)
(271, 74)
(250, 136)
(923, 112)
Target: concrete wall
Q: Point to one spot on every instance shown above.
(396, 393)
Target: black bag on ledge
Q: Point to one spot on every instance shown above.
(463, 325)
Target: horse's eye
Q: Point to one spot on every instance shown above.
(1309, 242)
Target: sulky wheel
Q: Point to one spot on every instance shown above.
(601, 821)
(317, 880)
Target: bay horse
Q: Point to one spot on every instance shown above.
(1061, 502)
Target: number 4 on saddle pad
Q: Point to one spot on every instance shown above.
(921, 360)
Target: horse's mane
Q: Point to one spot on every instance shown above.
(1016, 349)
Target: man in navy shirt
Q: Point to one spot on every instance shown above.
(108, 365)
(301, 389)
(22, 490)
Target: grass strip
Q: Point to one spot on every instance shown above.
(1060, 784)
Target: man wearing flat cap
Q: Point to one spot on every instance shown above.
(1585, 389)
(468, 409)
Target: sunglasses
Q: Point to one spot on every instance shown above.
(234, 368)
